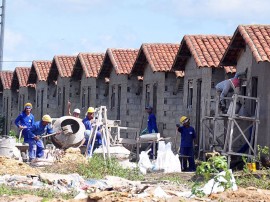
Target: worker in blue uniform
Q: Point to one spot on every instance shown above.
(186, 148)
(151, 126)
(35, 133)
(25, 120)
(88, 126)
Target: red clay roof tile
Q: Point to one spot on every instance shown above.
(91, 63)
(257, 37)
(160, 56)
(39, 71)
(121, 60)
(22, 75)
(6, 79)
(64, 65)
(207, 50)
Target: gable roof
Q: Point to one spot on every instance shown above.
(62, 65)
(207, 50)
(20, 77)
(160, 56)
(6, 79)
(121, 60)
(257, 37)
(39, 71)
(90, 63)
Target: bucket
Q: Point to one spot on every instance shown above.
(6, 146)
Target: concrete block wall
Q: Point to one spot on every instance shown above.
(14, 108)
(261, 72)
(41, 99)
(52, 106)
(7, 110)
(88, 93)
(150, 79)
(74, 94)
(101, 88)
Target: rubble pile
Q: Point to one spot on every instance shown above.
(12, 166)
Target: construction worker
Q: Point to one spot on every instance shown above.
(226, 86)
(25, 119)
(35, 133)
(88, 126)
(76, 112)
(151, 121)
(186, 148)
(151, 126)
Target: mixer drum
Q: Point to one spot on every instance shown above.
(66, 140)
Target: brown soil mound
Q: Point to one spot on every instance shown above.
(15, 167)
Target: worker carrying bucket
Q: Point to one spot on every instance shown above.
(34, 135)
(188, 135)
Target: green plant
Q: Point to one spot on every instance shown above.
(213, 165)
(261, 151)
(12, 133)
(245, 167)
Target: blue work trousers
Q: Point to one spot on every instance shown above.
(187, 151)
(36, 148)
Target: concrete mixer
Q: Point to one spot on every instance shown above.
(72, 134)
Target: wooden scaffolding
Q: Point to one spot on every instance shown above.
(234, 133)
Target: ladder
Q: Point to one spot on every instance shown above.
(101, 123)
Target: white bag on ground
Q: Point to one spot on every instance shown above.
(144, 162)
(167, 160)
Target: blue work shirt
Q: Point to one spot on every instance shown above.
(152, 124)
(25, 120)
(187, 136)
(87, 123)
(38, 129)
(88, 126)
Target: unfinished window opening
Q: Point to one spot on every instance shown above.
(155, 98)
(147, 95)
(113, 97)
(83, 98)
(118, 102)
(165, 113)
(128, 89)
(166, 88)
(190, 94)
(254, 93)
(97, 96)
(88, 95)
(198, 109)
(165, 101)
(41, 104)
(127, 112)
(164, 126)
(38, 99)
(127, 100)
(48, 105)
(64, 101)
(59, 97)
(179, 86)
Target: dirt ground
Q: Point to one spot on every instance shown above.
(182, 183)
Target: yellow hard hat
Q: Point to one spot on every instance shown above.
(28, 104)
(91, 110)
(182, 119)
(47, 118)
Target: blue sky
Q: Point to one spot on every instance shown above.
(40, 29)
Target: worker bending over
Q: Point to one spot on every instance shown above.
(226, 86)
(25, 120)
(88, 126)
(35, 133)
(188, 135)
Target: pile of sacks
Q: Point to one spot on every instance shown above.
(166, 160)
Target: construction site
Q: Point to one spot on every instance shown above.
(181, 121)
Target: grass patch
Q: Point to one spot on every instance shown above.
(252, 180)
(44, 193)
(97, 168)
